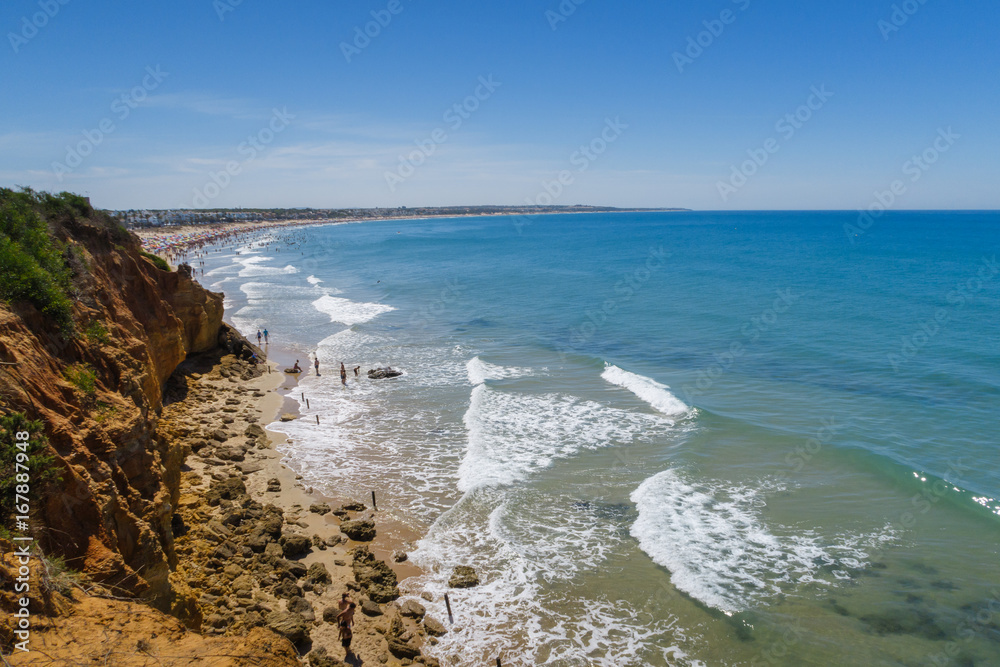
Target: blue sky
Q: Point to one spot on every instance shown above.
(256, 103)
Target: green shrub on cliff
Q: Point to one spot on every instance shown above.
(33, 266)
(35, 466)
(156, 259)
(82, 377)
(96, 332)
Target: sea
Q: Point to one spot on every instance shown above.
(660, 438)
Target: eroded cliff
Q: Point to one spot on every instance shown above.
(96, 384)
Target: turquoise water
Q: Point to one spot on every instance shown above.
(663, 438)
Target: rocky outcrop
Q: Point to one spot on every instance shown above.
(374, 576)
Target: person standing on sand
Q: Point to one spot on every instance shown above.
(345, 620)
(345, 635)
(343, 374)
(316, 364)
(265, 336)
(258, 337)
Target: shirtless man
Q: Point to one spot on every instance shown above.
(343, 374)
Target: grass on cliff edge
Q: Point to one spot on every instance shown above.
(34, 266)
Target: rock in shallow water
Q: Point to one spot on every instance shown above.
(382, 373)
(463, 577)
(434, 627)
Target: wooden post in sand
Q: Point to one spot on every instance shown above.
(447, 603)
(498, 663)
(374, 504)
(317, 420)
(303, 396)
(307, 404)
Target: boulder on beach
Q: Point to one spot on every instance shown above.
(361, 530)
(318, 574)
(412, 609)
(289, 624)
(374, 576)
(295, 544)
(401, 649)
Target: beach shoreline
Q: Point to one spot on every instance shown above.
(167, 241)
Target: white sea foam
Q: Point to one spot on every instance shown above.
(513, 435)
(652, 392)
(528, 548)
(228, 268)
(719, 549)
(479, 371)
(252, 267)
(349, 312)
(274, 304)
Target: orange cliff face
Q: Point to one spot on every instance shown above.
(110, 515)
